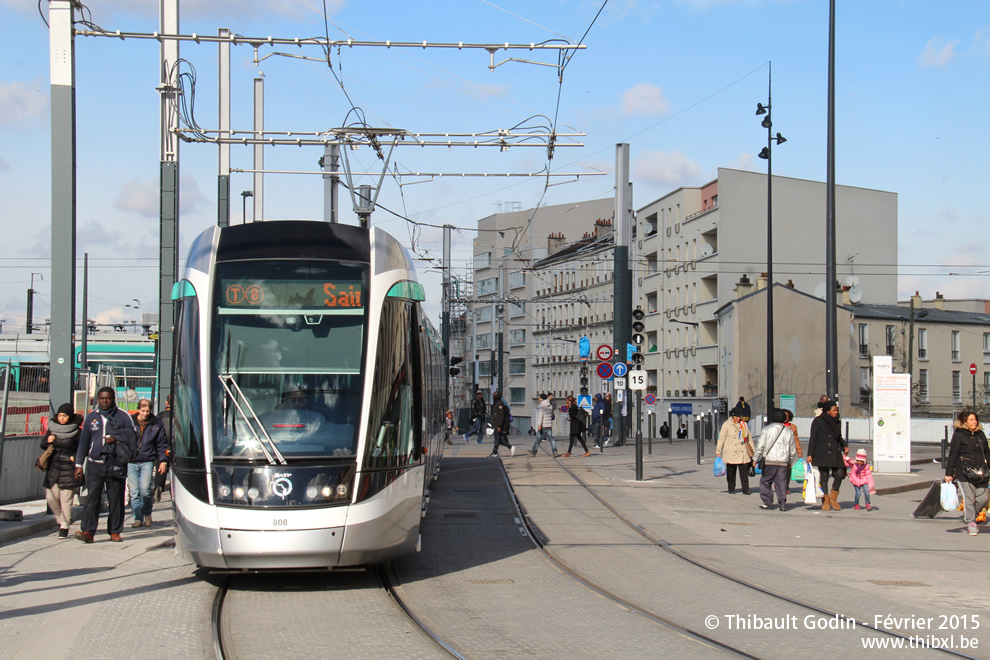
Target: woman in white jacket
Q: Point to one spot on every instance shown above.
(777, 449)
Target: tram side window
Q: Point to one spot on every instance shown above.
(393, 429)
(187, 426)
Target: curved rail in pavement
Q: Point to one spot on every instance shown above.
(727, 576)
(386, 579)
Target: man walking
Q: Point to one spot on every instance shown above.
(500, 420)
(101, 429)
(478, 415)
(598, 421)
(544, 424)
(150, 459)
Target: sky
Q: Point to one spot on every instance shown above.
(678, 80)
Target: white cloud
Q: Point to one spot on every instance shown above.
(938, 53)
(22, 103)
(644, 100)
(666, 168)
(144, 197)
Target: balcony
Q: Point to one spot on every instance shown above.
(864, 350)
(922, 353)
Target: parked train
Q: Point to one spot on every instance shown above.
(308, 398)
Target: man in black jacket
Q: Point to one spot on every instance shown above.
(149, 461)
(101, 429)
(500, 420)
(478, 416)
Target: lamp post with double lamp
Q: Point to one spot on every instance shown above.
(244, 195)
(767, 154)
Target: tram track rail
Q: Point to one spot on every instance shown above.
(386, 577)
(668, 548)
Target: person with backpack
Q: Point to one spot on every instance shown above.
(151, 454)
(107, 443)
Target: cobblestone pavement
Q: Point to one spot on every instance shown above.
(481, 583)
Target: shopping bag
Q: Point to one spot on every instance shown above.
(949, 496)
(816, 478)
(718, 469)
(930, 505)
(808, 493)
(797, 471)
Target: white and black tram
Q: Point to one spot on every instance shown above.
(307, 398)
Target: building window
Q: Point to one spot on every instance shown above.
(865, 384)
(484, 314)
(955, 346)
(488, 286)
(517, 366)
(483, 342)
(956, 387)
(483, 260)
(517, 280)
(517, 310)
(923, 343)
(517, 337)
(517, 395)
(891, 334)
(864, 340)
(923, 385)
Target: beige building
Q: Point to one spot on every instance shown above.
(946, 343)
(693, 246)
(509, 243)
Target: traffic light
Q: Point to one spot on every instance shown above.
(454, 370)
(584, 378)
(638, 338)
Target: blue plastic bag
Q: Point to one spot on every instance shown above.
(719, 468)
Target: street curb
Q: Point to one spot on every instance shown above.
(13, 531)
(893, 490)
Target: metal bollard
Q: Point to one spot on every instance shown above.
(945, 445)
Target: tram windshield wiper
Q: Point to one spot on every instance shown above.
(253, 423)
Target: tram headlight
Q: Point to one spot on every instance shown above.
(342, 490)
(311, 493)
(224, 491)
(326, 492)
(253, 493)
(239, 493)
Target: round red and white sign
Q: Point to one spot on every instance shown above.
(604, 352)
(972, 369)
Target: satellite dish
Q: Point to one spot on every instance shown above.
(820, 291)
(855, 294)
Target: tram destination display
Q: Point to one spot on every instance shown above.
(292, 294)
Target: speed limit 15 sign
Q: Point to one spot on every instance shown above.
(637, 379)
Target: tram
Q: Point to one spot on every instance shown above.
(308, 398)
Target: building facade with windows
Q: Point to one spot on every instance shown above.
(505, 296)
(694, 247)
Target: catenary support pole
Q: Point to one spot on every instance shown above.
(622, 301)
(169, 182)
(223, 107)
(831, 332)
(63, 133)
(84, 334)
(259, 151)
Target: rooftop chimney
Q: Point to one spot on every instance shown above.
(916, 301)
(939, 302)
(555, 242)
(603, 226)
(743, 286)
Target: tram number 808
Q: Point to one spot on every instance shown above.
(280, 522)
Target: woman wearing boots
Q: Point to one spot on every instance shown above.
(576, 416)
(825, 451)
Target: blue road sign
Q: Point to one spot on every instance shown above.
(650, 399)
(604, 370)
(620, 369)
(584, 401)
(680, 408)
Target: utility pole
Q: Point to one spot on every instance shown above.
(445, 316)
(63, 110)
(500, 308)
(330, 162)
(83, 357)
(223, 106)
(169, 168)
(622, 301)
(259, 150)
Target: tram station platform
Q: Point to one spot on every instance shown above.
(481, 580)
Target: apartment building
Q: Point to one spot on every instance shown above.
(504, 291)
(693, 246)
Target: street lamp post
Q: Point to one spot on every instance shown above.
(244, 195)
(767, 154)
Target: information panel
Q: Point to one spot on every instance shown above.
(892, 423)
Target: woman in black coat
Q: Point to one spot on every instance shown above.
(60, 480)
(825, 450)
(968, 447)
(576, 417)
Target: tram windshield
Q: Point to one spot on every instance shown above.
(287, 354)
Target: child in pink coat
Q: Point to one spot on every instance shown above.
(861, 477)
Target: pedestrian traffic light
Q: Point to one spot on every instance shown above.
(584, 379)
(454, 370)
(638, 338)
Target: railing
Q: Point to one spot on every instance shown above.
(864, 350)
(702, 212)
(922, 353)
(955, 356)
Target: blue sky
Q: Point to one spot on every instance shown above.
(677, 79)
